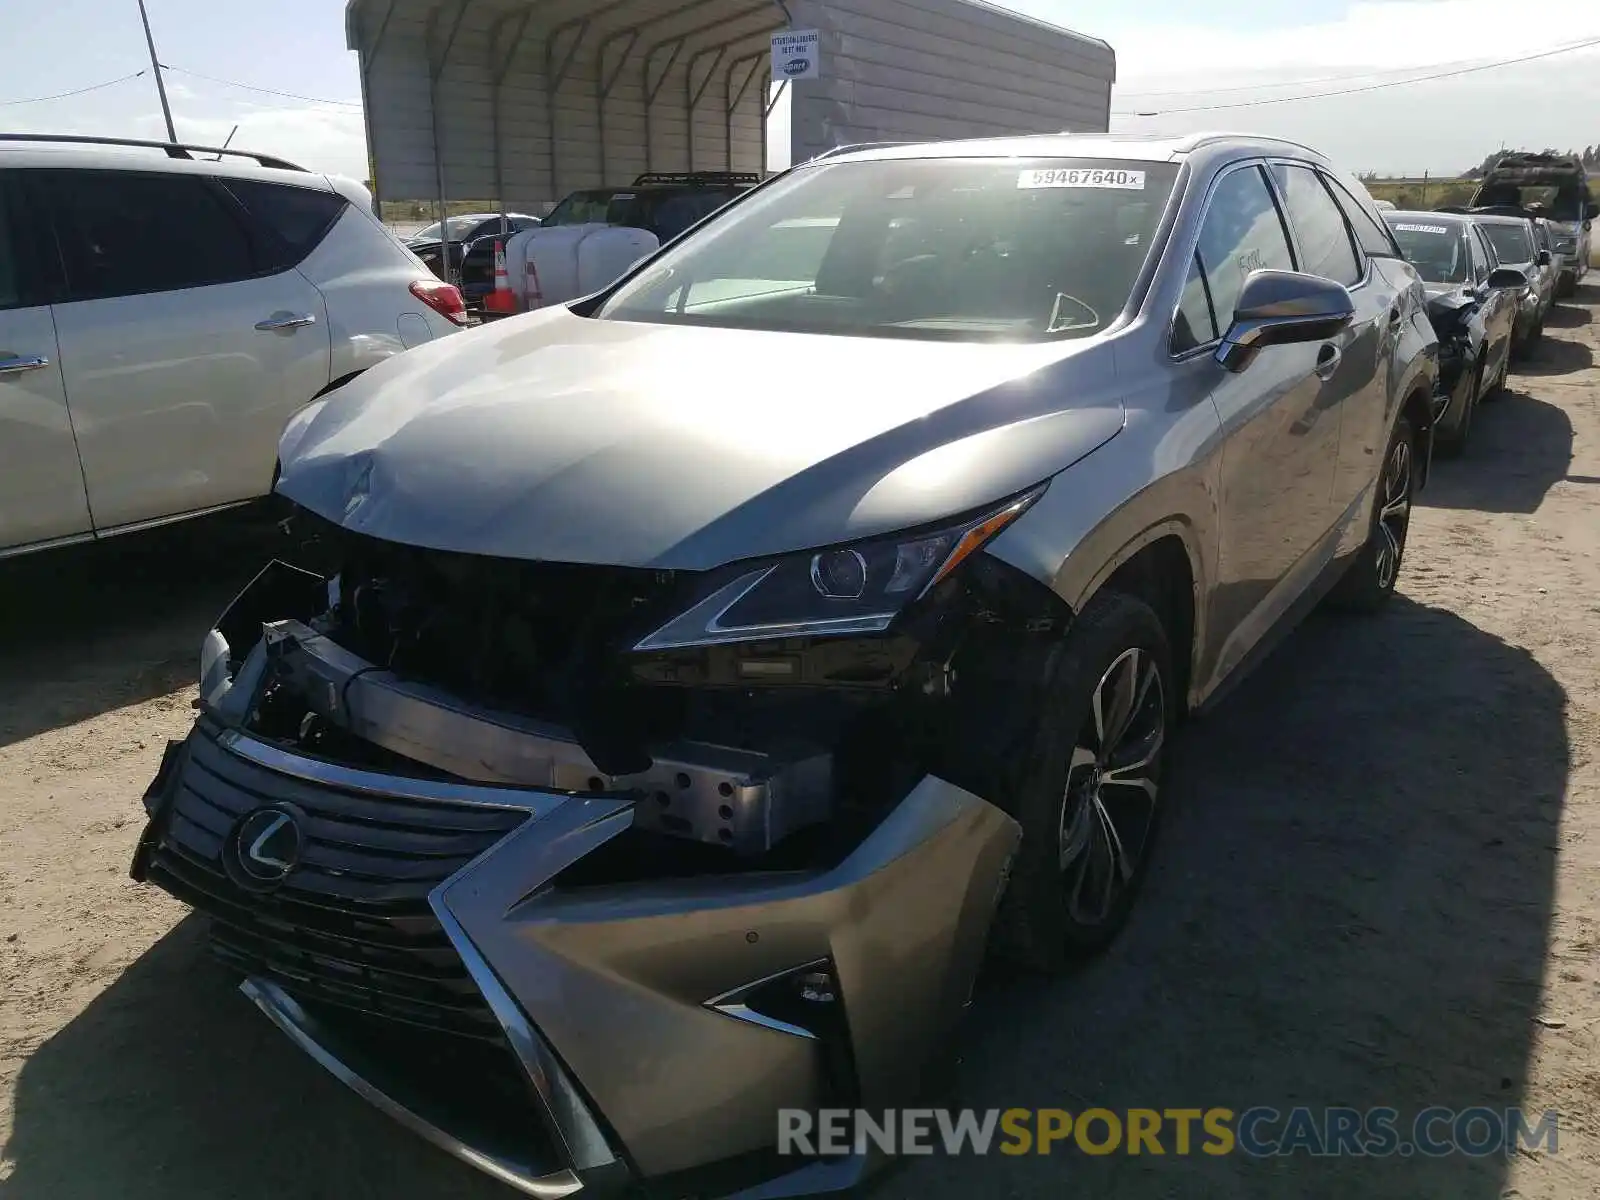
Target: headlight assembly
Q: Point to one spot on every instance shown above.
(851, 589)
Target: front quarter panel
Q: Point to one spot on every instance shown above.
(1157, 478)
(618, 977)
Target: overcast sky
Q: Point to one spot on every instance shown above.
(1172, 54)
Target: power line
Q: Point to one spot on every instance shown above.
(1308, 82)
(93, 87)
(250, 87)
(1371, 87)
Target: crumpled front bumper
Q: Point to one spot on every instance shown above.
(424, 947)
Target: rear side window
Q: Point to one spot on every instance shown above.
(1324, 237)
(126, 233)
(298, 218)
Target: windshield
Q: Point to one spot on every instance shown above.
(584, 208)
(937, 248)
(459, 228)
(1435, 250)
(1511, 243)
(1563, 202)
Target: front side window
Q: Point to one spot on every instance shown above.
(1482, 257)
(1242, 232)
(1511, 243)
(126, 233)
(961, 249)
(1324, 237)
(1195, 324)
(1435, 248)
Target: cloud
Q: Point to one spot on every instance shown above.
(1440, 126)
(320, 137)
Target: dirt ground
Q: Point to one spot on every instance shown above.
(1379, 884)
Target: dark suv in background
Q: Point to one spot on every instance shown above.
(665, 203)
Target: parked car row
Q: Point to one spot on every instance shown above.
(664, 203)
(1492, 273)
(705, 674)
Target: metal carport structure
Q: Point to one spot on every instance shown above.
(522, 101)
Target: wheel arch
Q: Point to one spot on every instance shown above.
(1163, 566)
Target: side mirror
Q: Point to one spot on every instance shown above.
(1277, 308)
(1544, 258)
(1591, 211)
(1502, 278)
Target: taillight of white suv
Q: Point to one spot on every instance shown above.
(444, 298)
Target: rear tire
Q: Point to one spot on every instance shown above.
(1088, 798)
(1370, 582)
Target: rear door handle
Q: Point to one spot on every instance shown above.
(1328, 359)
(16, 364)
(286, 320)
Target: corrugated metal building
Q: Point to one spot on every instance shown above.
(525, 100)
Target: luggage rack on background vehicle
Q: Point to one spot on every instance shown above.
(173, 149)
(695, 178)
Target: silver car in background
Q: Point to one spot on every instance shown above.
(676, 692)
(1515, 242)
(162, 314)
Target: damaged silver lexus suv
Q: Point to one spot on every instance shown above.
(678, 692)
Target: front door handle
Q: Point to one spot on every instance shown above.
(1328, 359)
(285, 320)
(16, 364)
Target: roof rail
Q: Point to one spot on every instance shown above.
(855, 146)
(173, 149)
(667, 178)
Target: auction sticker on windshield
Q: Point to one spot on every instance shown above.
(1082, 177)
(1440, 229)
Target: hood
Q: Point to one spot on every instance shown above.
(556, 437)
(1447, 295)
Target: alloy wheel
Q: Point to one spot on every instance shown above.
(1109, 805)
(1394, 515)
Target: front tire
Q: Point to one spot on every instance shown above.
(1088, 798)
(1453, 442)
(1370, 582)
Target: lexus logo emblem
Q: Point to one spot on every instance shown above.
(266, 845)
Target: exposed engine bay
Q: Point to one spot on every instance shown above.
(761, 754)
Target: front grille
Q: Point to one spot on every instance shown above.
(351, 925)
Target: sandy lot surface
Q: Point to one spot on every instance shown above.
(1378, 884)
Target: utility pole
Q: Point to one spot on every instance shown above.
(155, 65)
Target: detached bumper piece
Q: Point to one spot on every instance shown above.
(529, 972)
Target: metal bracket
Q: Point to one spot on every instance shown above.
(502, 67)
(733, 99)
(436, 63)
(502, 54)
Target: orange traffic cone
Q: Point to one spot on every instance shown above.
(532, 293)
(502, 300)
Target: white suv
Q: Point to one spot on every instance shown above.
(163, 315)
